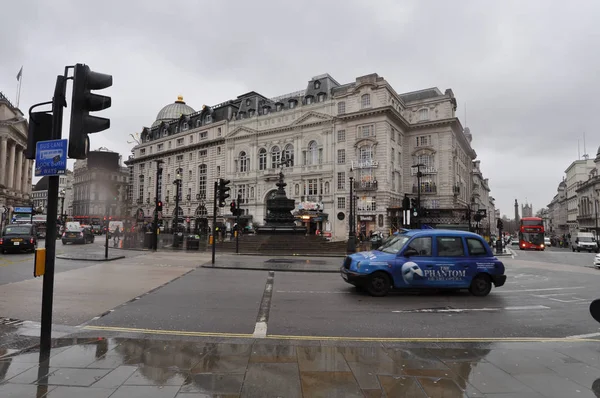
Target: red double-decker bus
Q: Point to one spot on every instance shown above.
(531, 234)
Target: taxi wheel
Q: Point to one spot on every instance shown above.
(481, 285)
(379, 284)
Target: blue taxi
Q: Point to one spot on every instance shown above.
(438, 259)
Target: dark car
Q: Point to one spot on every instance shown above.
(97, 229)
(80, 235)
(18, 238)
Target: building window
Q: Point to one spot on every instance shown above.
(141, 189)
(190, 156)
(179, 158)
(275, 157)
(208, 119)
(292, 104)
(262, 159)
(393, 154)
(313, 185)
(423, 114)
(198, 123)
(341, 136)
(243, 162)
(184, 127)
(313, 153)
(366, 131)
(365, 154)
(341, 181)
(341, 156)
(169, 144)
(159, 147)
(341, 203)
(393, 135)
(142, 152)
(278, 107)
(219, 132)
(202, 153)
(179, 141)
(317, 85)
(204, 135)
(248, 102)
(191, 139)
(218, 171)
(320, 97)
(288, 153)
(266, 110)
(424, 140)
(365, 101)
(218, 150)
(341, 108)
(425, 159)
(366, 203)
(309, 100)
(202, 178)
(250, 112)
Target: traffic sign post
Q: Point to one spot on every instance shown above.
(51, 158)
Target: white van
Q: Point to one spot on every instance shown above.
(112, 226)
(584, 241)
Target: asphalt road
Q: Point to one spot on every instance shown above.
(547, 295)
(15, 267)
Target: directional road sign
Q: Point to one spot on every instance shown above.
(51, 158)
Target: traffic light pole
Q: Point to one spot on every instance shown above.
(58, 102)
(214, 226)
(237, 222)
(176, 221)
(155, 229)
(106, 235)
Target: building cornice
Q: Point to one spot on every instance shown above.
(175, 151)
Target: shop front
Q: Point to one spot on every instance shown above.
(366, 225)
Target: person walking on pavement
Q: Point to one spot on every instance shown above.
(117, 236)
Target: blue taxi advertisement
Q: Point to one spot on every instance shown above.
(438, 259)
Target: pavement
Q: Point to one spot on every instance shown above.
(277, 263)
(132, 366)
(91, 256)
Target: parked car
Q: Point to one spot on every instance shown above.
(547, 241)
(80, 235)
(18, 238)
(97, 229)
(438, 259)
(597, 260)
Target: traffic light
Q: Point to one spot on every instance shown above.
(405, 203)
(500, 224)
(223, 191)
(115, 192)
(40, 129)
(233, 208)
(84, 102)
(159, 205)
(413, 204)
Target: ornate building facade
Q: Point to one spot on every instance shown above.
(330, 132)
(15, 170)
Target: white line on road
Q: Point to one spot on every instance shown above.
(458, 310)
(539, 290)
(584, 336)
(551, 294)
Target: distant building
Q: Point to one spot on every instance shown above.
(95, 178)
(527, 210)
(588, 200)
(39, 194)
(15, 170)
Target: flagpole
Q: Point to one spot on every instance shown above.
(20, 80)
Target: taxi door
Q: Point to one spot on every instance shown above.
(452, 268)
(410, 271)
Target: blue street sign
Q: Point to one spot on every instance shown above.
(26, 210)
(51, 158)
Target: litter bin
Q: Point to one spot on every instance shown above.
(192, 242)
(148, 240)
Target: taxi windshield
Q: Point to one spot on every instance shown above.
(17, 230)
(395, 244)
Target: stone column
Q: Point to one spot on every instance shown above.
(25, 175)
(19, 171)
(3, 161)
(11, 166)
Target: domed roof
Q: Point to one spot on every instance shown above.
(173, 111)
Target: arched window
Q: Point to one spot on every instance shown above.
(313, 153)
(365, 101)
(425, 159)
(288, 153)
(243, 162)
(320, 97)
(309, 99)
(184, 127)
(202, 178)
(275, 157)
(278, 107)
(262, 159)
(208, 119)
(165, 132)
(179, 213)
(198, 123)
(292, 103)
(317, 85)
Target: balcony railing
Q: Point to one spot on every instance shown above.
(425, 189)
(424, 170)
(365, 186)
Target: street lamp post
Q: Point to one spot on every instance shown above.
(351, 246)
(419, 175)
(157, 199)
(62, 195)
(177, 183)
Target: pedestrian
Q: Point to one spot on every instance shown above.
(117, 236)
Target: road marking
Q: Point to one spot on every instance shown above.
(313, 291)
(459, 310)
(346, 338)
(551, 294)
(260, 329)
(539, 290)
(584, 336)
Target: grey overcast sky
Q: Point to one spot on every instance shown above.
(525, 69)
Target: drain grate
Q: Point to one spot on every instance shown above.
(11, 321)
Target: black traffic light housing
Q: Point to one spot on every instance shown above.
(500, 224)
(223, 191)
(40, 129)
(115, 192)
(84, 102)
(406, 203)
(233, 208)
(159, 205)
(413, 204)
